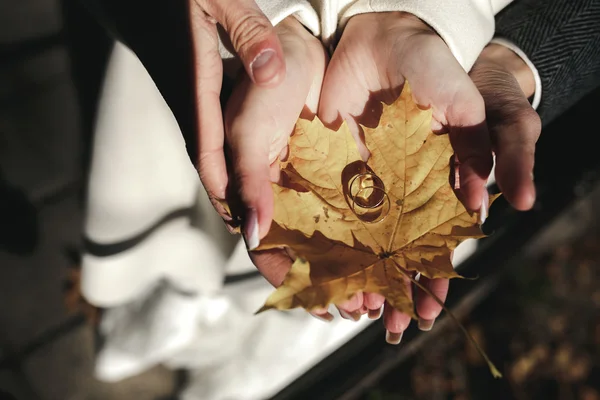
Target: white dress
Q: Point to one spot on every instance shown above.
(162, 254)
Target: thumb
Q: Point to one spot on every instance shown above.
(252, 36)
(259, 121)
(514, 128)
(249, 142)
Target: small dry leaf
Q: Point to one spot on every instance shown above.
(359, 227)
(74, 299)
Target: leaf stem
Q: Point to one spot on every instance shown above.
(490, 364)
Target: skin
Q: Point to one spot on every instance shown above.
(257, 45)
(485, 113)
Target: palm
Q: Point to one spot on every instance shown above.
(376, 55)
(258, 123)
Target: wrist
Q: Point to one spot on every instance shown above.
(511, 62)
(390, 20)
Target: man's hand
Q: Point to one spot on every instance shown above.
(506, 82)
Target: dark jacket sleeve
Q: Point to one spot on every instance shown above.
(158, 32)
(562, 39)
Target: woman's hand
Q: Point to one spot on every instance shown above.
(258, 123)
(377, 53)
(257, 45)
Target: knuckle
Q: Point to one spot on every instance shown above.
(247, 28)
(524, 120)
(531, 122)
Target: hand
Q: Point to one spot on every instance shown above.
(258, 47)
(376, 54)
(258, 123)
(506, 82)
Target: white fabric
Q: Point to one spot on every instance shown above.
(537, 96)
(140, 172)
(278, 10)
(466, 25)
(165, 296)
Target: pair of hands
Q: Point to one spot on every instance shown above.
(288, 73)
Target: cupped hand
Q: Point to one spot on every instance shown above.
(506, 83)
(257, 45)
(258, 123)
(376, 54)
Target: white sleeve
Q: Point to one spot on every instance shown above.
(278, 10)
(537, 95)
(465, 25)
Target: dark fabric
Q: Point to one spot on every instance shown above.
(89, 48)
(158, 32)
(562, 39)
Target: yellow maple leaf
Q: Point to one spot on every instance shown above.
(358, 227)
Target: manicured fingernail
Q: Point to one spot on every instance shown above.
(426, 324)
(485, 202)
(375, 314)
(353, 316)
(456, 172)
(393, 338)
(327, 317)
(265, 66)
(251, 230)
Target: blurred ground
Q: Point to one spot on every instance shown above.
(541, 326)
(45, 352)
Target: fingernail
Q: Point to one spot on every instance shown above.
(456, 172)
(251, 230)
(532, 176)
(485, 202)
(327, 317)
(353, 316)
(393, 338)
(375, 314)
(426, 324)
(265, 66)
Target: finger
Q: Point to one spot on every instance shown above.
(374, 304)
(470, 140)
(323, 316)
(427, 308)
(208, 78)
(515, 128)
(259, 121)
(253, 38)
(459, 109)
(351, 309)
(272, 264)
(346, 97)
(395, 323)
(250, 152)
